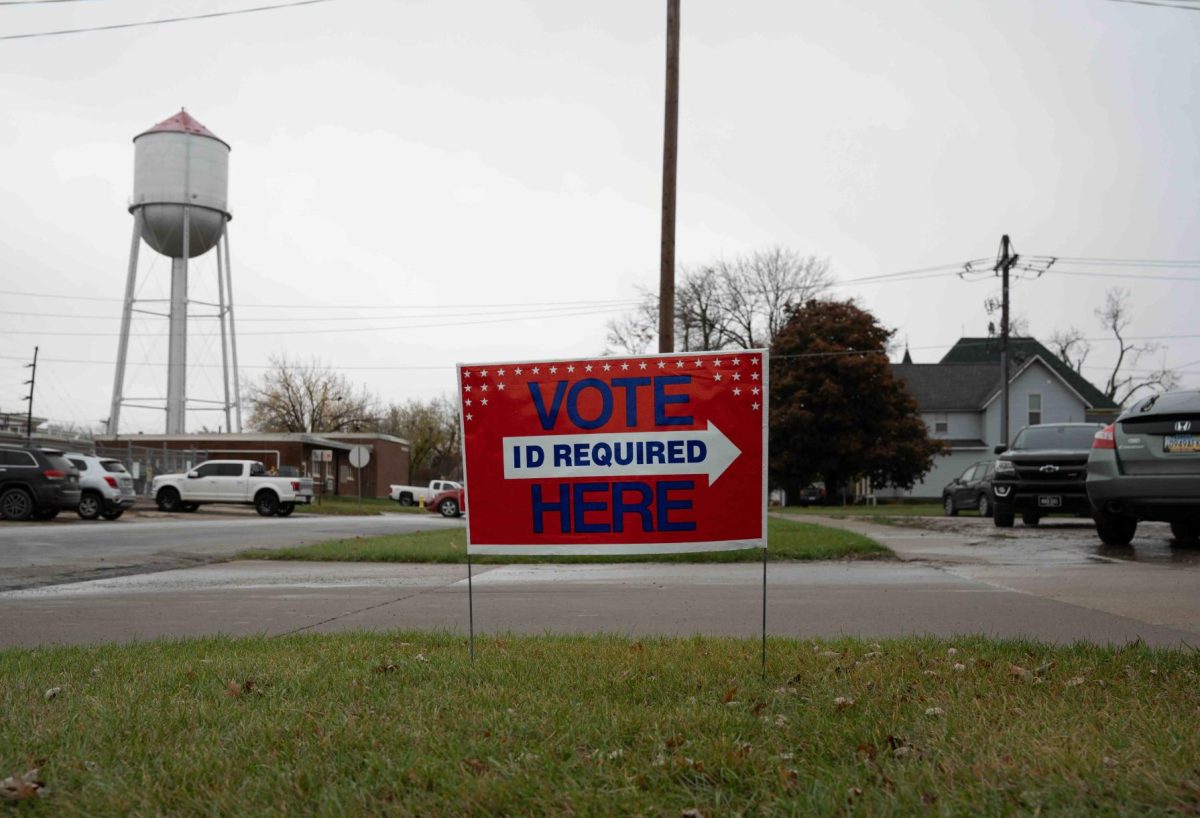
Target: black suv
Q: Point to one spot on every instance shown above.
(36, 483)
(1043, 473)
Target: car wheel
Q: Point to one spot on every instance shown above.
(90, 505)
(1186, 533)
(1030, 517)
(16, 504)
(168, 500)
(1002, 515)
(406, 500)
(266, 503)
(948, 504)
(113, 515)
(189, 507)
(448, 508)
(1115, 529)
(985, 506)
(286, 508)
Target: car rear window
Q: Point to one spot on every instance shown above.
(57, 461)
(114, 466)
(1055, 437)
(79, 464)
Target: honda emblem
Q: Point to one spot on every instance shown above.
(1183, 426)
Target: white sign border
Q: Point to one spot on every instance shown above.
(622, 549)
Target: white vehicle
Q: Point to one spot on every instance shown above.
(245, 482)
(106, 489)
(411, 495)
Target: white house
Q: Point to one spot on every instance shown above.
(960, 397)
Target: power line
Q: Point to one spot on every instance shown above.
(1167, 5)
(1121, 262)
(162, 20)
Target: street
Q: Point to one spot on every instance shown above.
(964, 579)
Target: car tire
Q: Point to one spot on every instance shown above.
(1002, 515)
(90, 506)
(448, 507)
(1186, 533)
(1030, 517)
(113, 515)
(266, 503)
(168, 500)
(189, 507)
(16, 504)
(948, 505)
(406, 500)
(286, 509)
(984, 506)
(1115, 529)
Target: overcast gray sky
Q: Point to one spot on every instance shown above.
(404, 169)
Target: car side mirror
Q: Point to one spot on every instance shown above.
(1000, 449)
(193, 474)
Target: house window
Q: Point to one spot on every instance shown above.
(1035, 409)
(941, 424)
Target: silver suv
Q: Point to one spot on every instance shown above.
(106, 488)
(1146, 466)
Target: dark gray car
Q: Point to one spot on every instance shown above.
(1146, 466)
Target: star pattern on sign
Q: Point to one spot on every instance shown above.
(500, 386)
(554, 370)
(483, 372)
(484, 401)
(468, 401)
(737, 361)
(624, 365)
(662, 364)
(587, 368)
(754, 391)
(571, 368)
(518, 370)
(679, 364)
(536, 370)
(754, 405)
(467, 388)
(737, 391)
(470, 416)
(717, 377)
(698, 362)
(754, 376)
(737, 376)
(484, 387)
(607, 367)
(642, 365)
(466, 373)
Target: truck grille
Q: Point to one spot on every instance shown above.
(1050, 472)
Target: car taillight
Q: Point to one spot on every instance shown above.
(112, 481)
(54, 474)
(1106, 438)
(295, 485)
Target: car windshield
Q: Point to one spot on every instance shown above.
(1055, 437)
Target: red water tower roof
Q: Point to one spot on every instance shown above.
(183, 122)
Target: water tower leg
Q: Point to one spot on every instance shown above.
(177, 343)
(237, 389)
(118, 393)
(221, 308)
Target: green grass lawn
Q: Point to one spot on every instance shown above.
(403, 724)
(350, 506)
(881, 510)
(788, 540)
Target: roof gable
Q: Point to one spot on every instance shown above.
(1021, 350)
(949, 387)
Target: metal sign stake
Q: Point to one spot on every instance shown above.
(764, 616)
(470, 606)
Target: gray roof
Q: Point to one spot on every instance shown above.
(949, 387)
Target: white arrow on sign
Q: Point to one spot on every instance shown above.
(617, 454)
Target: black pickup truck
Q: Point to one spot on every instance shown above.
(1043, 473)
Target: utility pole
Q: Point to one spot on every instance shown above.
(1004, 263)
(666, 275)
(30, 384)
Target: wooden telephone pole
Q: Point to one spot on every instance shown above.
(1004, 263)
(666, 275)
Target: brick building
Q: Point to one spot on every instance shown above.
(324, 457)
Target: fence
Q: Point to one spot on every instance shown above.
(143, 462)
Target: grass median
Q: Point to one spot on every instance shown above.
(788, 540)
(352, 507)
(878, 510)
(403, 724)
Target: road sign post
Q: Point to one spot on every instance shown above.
(359, 457)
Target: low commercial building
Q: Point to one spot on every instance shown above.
(324, 457)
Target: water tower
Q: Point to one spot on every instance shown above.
(180, 209)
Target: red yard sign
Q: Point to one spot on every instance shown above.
(642, 454)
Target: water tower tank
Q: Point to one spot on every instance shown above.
(179, 162)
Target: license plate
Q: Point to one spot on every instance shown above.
(1049, 501)
(1175, 444)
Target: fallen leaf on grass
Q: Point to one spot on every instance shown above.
(247, 687)
(952, 652)
(935, 711)
(19, 787)
(691, 812)
(842, 702)
(1042, 668)
(1020, 673)
(1110, 762)
(853, 792)
(1076, 681)
(388, 668)
(477, 765)
(729, 694)
(52, 692)
(421, 657)
(867, 749)
(788, 776)
(959, 667)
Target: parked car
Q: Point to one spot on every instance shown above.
(245, 482)
(1043, 473)
(972, 489)
(1146, 466)
(449, 503)
(36, 483)
(411, 495)
(105, 488)
(811, 495)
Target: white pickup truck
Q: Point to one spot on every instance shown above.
(411, 495)
(245, 482)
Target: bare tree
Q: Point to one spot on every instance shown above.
(1071, 346)
(1120, 387)
(741, 302)
(432, 430)
(308, 397)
